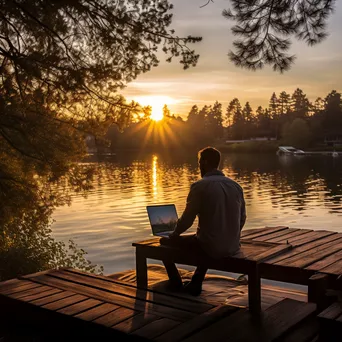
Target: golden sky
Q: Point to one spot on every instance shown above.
(317, 70)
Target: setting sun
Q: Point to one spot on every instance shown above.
(157, 112)
(157, 103)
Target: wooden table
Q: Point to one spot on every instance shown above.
(246, 261)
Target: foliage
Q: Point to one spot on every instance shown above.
(61, 66)
(265, 27)
(297, 133)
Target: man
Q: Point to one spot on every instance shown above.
(219, 204)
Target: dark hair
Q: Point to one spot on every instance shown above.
(211, 155)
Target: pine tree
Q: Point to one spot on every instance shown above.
(300, 105)
(264, 27)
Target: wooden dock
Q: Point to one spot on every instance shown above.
(93, 307)
(72, 305)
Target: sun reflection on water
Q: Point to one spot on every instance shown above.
(154, 176)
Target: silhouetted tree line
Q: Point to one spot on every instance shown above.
(293, 119)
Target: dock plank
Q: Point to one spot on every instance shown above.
(156, 328)
(50, 299)
(313, 255)
(136, 322)
(270, 253)
(80, 307)
(107, 296)
(335, 268)
(305, 332)
(331, 312)
(59, 304)
(192, 326)
(308, 246)
(264, 232)
(133, 293)
(22, 288)
(40, 295)
(98, 311)
(310, 237)
(276, 234)
(115, 317)
(31, 291)
(285, 238)
(275, 321)
(321, 264)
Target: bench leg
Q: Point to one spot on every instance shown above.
(254, 290)
(173, 274)
(141, 269)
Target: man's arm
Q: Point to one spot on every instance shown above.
(190, 212)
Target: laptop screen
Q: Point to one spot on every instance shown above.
(163, 218)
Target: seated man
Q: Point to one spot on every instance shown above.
(219, 204)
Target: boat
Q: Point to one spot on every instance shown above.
(289, 150)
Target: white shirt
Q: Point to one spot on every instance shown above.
(220, 206)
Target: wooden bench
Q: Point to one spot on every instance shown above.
(246, 261)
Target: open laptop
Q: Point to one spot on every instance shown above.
(163, 219)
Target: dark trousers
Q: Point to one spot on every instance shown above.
(191, 244)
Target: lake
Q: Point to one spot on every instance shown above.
(300, 192)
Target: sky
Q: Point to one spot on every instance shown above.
(317, 69)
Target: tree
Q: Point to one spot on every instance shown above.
(297, 133)
(300, 105)
(214, 121)
(61, 66)
(283, 104)
(193, 115)
(264, 29)
(247, 113)
(235, 111)
(264, 122)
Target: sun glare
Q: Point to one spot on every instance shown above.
(157, 113)
(157, 103)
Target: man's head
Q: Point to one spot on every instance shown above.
(208, 159)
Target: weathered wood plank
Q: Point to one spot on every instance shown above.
(266, 232)
(310, 237)
(273, 252)
(136, 322)
(317, 266)
(50, 299)
(246, 232)
(128, 302)
(16, 289)
(59, 304)
(196, 324)
(98, 311)
(275, 321)
(156, 328)
(331, 312)
(305, 332)
(134, 293)
(285, 238)
(335, 268)
(115, 317)
(80, 307)
(12, 283)
(276, 234)
(29, 292)
(39, 295)
(306, 247)
(306, 258)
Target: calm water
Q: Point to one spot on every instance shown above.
(303, 192)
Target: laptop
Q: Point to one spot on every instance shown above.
(163, 219)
